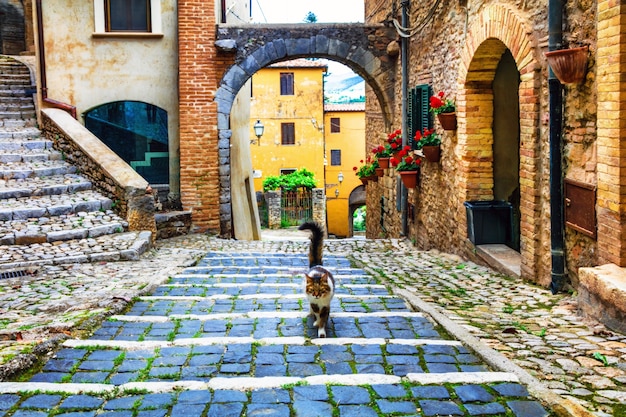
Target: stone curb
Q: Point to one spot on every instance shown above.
(561, 406)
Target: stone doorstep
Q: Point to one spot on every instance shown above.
(501, 258)
(602, 295)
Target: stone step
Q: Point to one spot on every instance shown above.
(17, 123)
(35, 207)
(37, 186)
(25, 144)
(17, 92)
(18, 114)
(29, 155)
(61, 228)
(9, 133)
(106, 248)
(23, 170)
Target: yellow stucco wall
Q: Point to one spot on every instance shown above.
(350, 140)
(304, 108)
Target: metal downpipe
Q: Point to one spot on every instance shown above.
(557, 239)
(404, 62)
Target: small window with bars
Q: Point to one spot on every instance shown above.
(335, 157)
(335, 125)
(288, 133)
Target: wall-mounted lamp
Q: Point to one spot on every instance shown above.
(340, 177)
(336, 192)
(258, 131)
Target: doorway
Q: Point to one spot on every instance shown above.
(506, 140)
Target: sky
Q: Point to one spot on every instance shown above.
(294, 11)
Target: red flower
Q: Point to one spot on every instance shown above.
(394, 161)
(435, 102)
(354, 168)
(441, 94)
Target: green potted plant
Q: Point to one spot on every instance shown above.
(408, 166)
(367, 171)
(430, 143)
(382, 154)
(445, 110)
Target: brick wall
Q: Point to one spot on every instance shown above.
(200, 69)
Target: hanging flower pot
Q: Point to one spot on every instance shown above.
(363, 180)
(432, 153)
(380, 172)
(447, 120)
(383, 162)
(569, 65)
(409, 178)
(372, 178)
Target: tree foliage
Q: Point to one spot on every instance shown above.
(289, 182)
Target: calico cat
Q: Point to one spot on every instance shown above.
(319, 284)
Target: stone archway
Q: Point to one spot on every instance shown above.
(363, 48)
(483, 50)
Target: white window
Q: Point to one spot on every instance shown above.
(127, 17)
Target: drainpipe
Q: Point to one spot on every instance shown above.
(42, 68)
(404, 59)
(557, 240)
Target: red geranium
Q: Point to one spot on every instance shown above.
(440, 104)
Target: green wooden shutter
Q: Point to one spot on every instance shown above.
(418, 117)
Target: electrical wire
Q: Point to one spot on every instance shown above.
(261, 10)
(409, 32)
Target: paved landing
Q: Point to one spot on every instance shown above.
(231, 336)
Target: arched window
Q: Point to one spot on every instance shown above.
(137, 132)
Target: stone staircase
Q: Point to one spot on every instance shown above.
(49, 213)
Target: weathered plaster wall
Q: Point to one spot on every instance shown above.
(86, 71)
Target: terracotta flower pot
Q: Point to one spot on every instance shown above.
(447, 120)
(409, 178)
(432, 153)
(380, 172)
(363, 180)
(372, 178)
(569, 65)
(383, 162)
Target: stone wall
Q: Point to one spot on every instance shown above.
(456, 50)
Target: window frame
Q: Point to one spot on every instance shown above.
(100, 28)
(333, 156)
(335, 125)
(287, 133)
(287, 82)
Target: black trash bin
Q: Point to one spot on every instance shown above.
(489, 221)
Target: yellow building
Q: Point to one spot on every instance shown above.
(288, 99)
(300, 132)
(345, 148)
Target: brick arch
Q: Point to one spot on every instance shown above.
(496, 29)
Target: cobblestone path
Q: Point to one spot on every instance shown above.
(230, 336)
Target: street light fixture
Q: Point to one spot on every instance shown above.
(340, 177)
(258, 131)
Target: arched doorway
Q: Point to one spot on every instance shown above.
(137, 132)
(356, 202)
(506, 143)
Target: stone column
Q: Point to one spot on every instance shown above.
(319, 206)
(272, 199)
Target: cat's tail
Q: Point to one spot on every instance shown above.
(317, 242)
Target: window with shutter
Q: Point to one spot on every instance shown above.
(288, 133)
(335, 125)
(286, 83)
(127, 15)
(418, 117)
(335, 157)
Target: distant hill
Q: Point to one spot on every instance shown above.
(344, 88)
